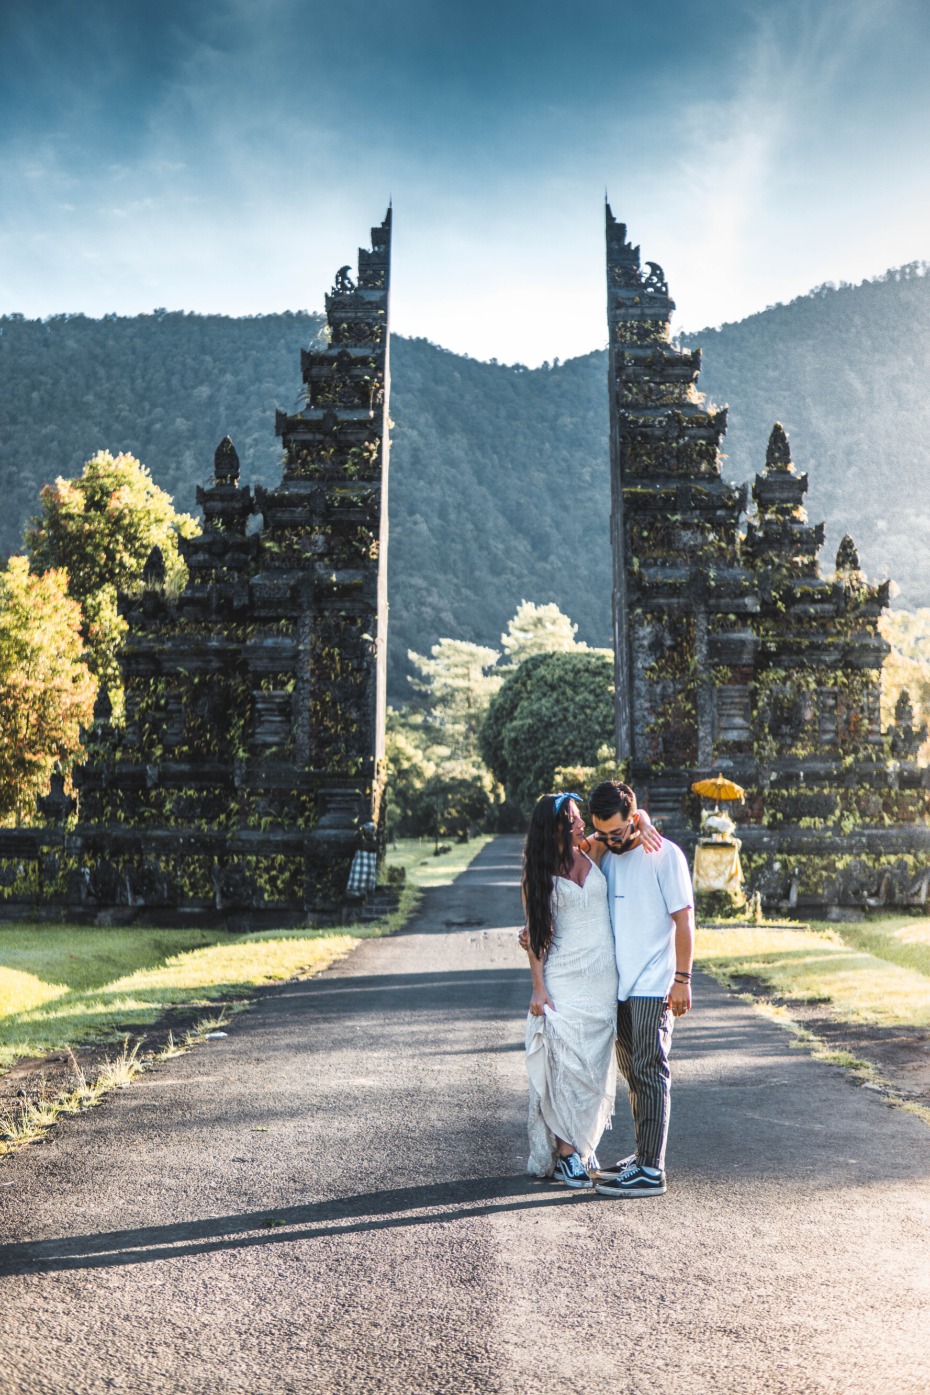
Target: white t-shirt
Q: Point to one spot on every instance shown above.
(645, 889)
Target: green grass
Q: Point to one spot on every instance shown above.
(424, 869)
(902, 940)
(825, 964)
(875, 972)
(63, 985)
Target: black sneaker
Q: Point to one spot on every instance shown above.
(621, 1165)
(573, 1173)
(635, 1181)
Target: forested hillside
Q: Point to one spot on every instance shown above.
(488, 464)
(846, 370)
(499, 475)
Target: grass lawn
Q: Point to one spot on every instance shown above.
(903, 940)
(875, 972)
(424, 869)
(62, 985)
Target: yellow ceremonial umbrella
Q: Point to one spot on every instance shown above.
(718, 788)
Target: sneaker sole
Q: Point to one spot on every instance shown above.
(574, 1186)
(631, 1191)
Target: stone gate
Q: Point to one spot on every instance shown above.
(733, 653)
(253, 746)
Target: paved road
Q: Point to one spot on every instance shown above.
(378, 1111)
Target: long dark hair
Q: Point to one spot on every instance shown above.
(547, 854)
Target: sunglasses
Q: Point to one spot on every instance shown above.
(616, 835)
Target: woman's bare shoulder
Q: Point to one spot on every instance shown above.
(595, 849)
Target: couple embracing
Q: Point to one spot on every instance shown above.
(610, 937)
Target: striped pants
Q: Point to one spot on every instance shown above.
(644, 1039)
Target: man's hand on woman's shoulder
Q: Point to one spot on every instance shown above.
(649, 834)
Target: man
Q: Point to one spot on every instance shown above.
(652, 913)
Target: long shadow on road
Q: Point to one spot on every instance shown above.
(348, 1215)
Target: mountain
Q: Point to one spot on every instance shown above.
(499, 475)
(845, 370)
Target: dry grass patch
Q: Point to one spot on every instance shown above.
(28, 1120)
(867, 1013)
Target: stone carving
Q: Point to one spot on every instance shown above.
(343, 284)
(103, 707)
(847, 557)
(905, 738)
(153, 573)
(777, 452)
(655, 282)
(226, 463)
(57, 806)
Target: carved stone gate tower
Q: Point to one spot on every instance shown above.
(674, 530)
(733, 653)
(253, 748)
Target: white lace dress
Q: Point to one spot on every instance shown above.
(570, 1052)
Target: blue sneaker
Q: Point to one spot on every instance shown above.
(621, 1165)
(635, 1181)
(573, 1173)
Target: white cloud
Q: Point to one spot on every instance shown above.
(245, 189)
(745, 221)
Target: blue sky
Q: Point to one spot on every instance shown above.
(228, 155)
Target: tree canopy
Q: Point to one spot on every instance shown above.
(46, 689)
(439, 782)
(454, 686)
(100, 528)
(554, 710)
(538, 629)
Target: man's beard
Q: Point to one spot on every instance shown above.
(628, 843)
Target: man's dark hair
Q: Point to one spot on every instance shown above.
(609, 798)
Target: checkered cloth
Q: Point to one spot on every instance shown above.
(363, 873)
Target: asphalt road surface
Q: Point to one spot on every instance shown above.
(376, 1115)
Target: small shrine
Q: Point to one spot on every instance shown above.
(717, 870)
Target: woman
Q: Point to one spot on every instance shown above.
(572, 1021)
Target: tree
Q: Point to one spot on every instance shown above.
(46, 689)
(585, 777)
(101, 527)
(455, 686)
(554, 710)
(411, 767)
(538, 629)
(907, 666)
(453, 808)
(438, 782)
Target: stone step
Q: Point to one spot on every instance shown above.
(665, 800)
(379, 905)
